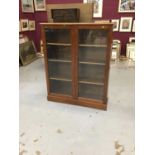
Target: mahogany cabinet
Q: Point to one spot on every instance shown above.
(77, 60)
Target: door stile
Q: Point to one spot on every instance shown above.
(74, 52)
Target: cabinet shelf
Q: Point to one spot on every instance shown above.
(92, 45)
(59, 44)
(94, 83)
(59, 60)
(60, 79)
(91, 63)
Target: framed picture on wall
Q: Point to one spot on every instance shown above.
(24, 24)
(40, 5)
(126, 6)
(20, 26)
(133, 26)
(125, 24)
(98, 7)
(115, 24)
(31, 25)
(27, 6)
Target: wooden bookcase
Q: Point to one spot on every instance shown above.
(77, 60)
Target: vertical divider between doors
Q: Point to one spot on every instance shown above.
(74, 53)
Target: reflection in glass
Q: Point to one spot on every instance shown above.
(91, 91)
(57, 35)
(92, 57)
(95, 36)
(61, 87)
(60, 70)
(59, 52)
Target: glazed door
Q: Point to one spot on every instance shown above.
(92, 47)
(58, 43)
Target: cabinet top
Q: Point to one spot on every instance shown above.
(88, 24)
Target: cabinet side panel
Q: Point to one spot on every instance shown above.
(45, 56)
(108, 57)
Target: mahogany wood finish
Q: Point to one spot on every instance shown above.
(77, 62)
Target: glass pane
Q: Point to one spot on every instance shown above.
(60, 70)
(61, 87)
(59, 52)
(91, 91)
(92, 56)
(57, 35)
(92, 36)
(91, 73)
(59, 60)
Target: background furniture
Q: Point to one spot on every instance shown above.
(130, 50)
(85, 10)
(77, 59)
(65, 15)
(116, 50)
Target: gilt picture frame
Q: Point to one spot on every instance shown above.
(27, 6)
(31, 25)
(126, 6)
(115, 24)
(40, 5)
(97, 7)
(27, 52)
(125, 24)
(24, 24)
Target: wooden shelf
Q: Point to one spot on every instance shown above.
(59, 60)
(92, 45)
(94, 83)
(59, 44)
(91, 63)
(60, 79)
